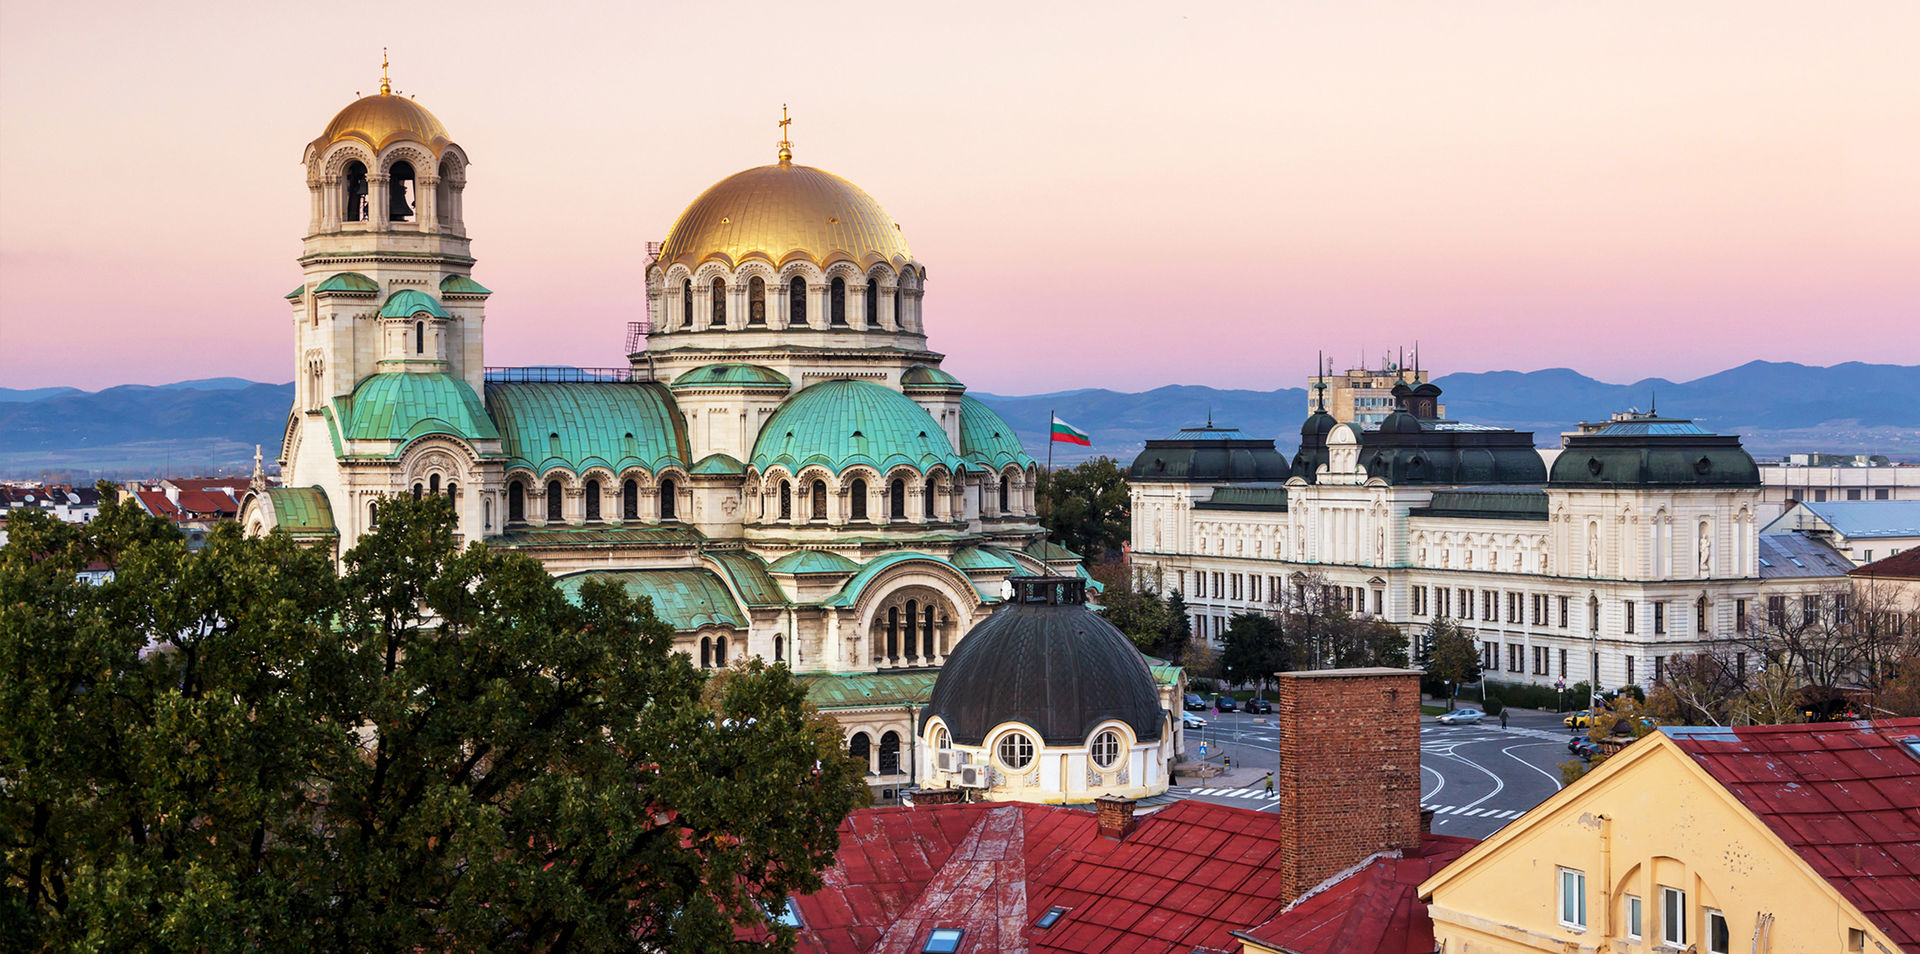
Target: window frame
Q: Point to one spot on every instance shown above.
(1577, 900)
(1635, 918)
(1726, 928)
(1673, 915)
(943, 940)
(1017, 738)
(1111, 737)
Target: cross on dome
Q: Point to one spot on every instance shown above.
(786, 147)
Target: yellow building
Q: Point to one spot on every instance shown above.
(1766, 839)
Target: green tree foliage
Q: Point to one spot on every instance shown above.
(1254, 648)
(1147, 619)
(1452, 656)
(1086, 508)
(238, 749)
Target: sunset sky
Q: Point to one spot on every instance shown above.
(1105, 195)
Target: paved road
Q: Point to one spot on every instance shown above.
(1476, 778)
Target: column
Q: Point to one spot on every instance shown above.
(857, 305)
(377, 200)
(426, 194)
(817, 316)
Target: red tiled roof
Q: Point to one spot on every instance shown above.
(1376, 908)
(214, 501)
(156, 503)
(1904, 565)
(1844, 795)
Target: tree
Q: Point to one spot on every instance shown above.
(1455, 660)
(1087, 508)
(1139, 613)
(1253, 649)
(236, 749)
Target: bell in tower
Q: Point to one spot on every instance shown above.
(399, 184)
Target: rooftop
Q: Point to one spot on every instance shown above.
(1375, 908)
(1784, 555)
(1867, 518)
(1904, 565)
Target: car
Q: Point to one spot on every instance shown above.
(1461, 717)
(1225, 703)
(1583, 747)
(1259, 706)
(1194, 702)
(1578, 720)
(1192, 721)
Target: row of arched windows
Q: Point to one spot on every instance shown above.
(896, 500)
(668, 495)
(888, 763)
(403, 200)
(797, 306)
(917, 632)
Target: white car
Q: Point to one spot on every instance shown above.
(1192, 721)
(1461, 717)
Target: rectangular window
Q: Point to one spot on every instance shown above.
(1719, 939)
(1446, 601)
(1776, 611)
(1219, 586)
(1513, 607)
(1490, 655)
(1809, 608)
(1880, 494)
(1673, 917)
(1489, 606)
(1629, 670)
(1819, 496)
(1466, 604)
(1739, 616)
(1515, 661)
(1853, 495)
(943, 941)
(1566, 607)
(1659, 669)
(1573, 898)
(1539, 660)
(1379, 603)
(1630, 615)
(1740, 666)
(1839, 609)
(1563, 664)
(1633, 918)
(1659, 617)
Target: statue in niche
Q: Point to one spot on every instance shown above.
(1593, 549)
(1379, 545)
(1706, 551)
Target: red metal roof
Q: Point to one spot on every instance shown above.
(1904, 565)
(1844, 795)
(1376, 908)
(156, 503)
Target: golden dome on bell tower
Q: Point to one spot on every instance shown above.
(383, 118)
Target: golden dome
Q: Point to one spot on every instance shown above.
(384, 118)
(777, 212)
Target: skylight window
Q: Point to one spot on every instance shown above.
(1912, 743)
(943, 941)
(1048, 919)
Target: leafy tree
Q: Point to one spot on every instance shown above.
(1455, 660)
(1087, 508)
(236, 749)
(1253, 649)
(1179, 618)
(1139, 613)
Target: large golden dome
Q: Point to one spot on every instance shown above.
(384, 118)
(781, 211)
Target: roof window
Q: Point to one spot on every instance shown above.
(790, 916)
(1048, 919)
(1912, 743)
(943, 941)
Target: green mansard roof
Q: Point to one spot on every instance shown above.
(302, 511)
(814, 561)
(408, 302)
(348, 282)
(929, 378)
(837, 424)
(987, 439)
(579, 424)
(733, 376)
(402, 406)
(462, 285)
(684, 598)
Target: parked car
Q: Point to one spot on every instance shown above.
(1225, 703)
(1583, 747)
(1578, 720)
(1195, 702)
(1192, 721)
(1259, 706)
(1461, 717)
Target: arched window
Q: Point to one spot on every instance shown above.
(356, 194)
(779, 649)
(443, 194)
(756, 303)
(1105, 750)
(686, 304)
(419, 337)
(890, 753)
(873, 303)
(913, 641)
(400, 196)
(630, 500)
(1015, 750)
(720, 652)
(593, 500)
(719, 295)
(861, 748)
(893, 632)
(1003, 494)
(706, 652)
(668, 499)
(553, 501)
(786, 500)
(819, 494)
(1700, 616)
(941, 738)
(416, 492)
(926, 633)
(926, 500)
(453, 490)
(897, 499)
(837, 303)
(797, 301)
(1593, 614)
(516, 502)
(433, 485)
(857, 500)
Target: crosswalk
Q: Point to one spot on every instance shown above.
(1260, 795)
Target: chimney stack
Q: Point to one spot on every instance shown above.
(1349, 780)
(1116, 816)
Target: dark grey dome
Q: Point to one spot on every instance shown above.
(1047, 661)
(1210, 455)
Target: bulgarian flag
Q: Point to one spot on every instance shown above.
(1064, 433)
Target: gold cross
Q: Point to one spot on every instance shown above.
(786, 147)
(385, 85)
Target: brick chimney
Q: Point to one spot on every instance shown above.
(1349, 780)
(1116, 816)
(936, 796)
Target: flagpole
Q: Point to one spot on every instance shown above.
(1049, 445)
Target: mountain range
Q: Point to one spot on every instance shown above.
(211, 425)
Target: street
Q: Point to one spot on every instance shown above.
(1476, 778)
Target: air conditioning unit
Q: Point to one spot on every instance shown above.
(973, 776)
(949, 760)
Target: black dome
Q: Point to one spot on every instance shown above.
(1047, 661)
(1210, 455)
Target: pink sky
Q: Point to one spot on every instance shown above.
(1120, 195)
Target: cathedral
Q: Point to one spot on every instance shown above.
(782, 466)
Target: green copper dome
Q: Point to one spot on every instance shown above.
(399, 406)
(922, 377)
(407, 302)
(988, 440)
(352, 282)
(837, 424)
(732, 376)
(578, 425)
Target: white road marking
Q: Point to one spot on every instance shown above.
(1508, 752)
(1437, 775)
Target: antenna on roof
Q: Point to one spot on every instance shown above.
(1653, 403)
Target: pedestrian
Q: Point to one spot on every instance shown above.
(1269, 783)
(1503, 718)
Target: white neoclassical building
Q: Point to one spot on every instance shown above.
(1640, 542)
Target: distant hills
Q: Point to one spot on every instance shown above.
(212, 424)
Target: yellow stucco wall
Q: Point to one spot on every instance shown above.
(1646, 819)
